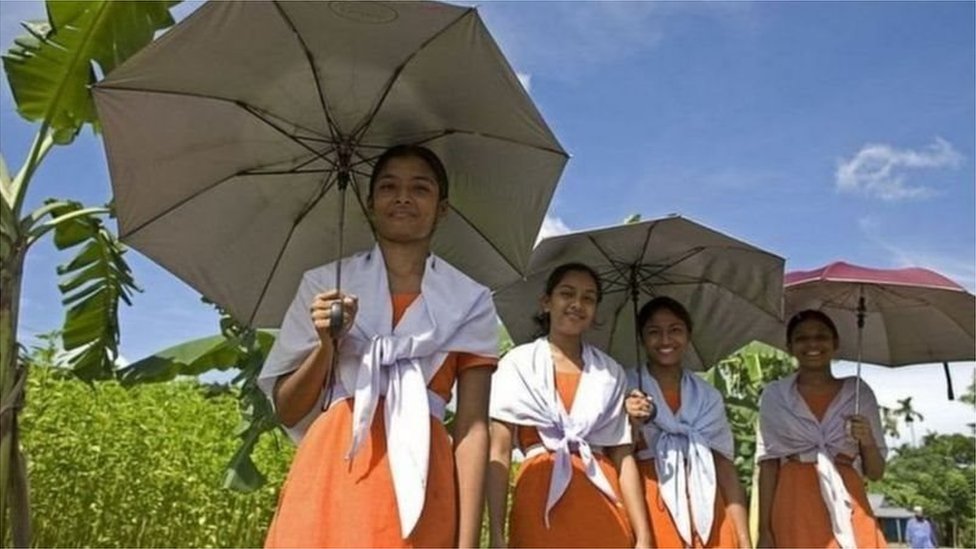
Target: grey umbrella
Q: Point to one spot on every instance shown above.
(732, 290)
(232, 141)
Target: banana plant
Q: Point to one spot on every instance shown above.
(239, 348)
(50, 70)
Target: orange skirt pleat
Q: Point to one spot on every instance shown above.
(799, 516)
(666, 534)
(583, 516)
(328, 501)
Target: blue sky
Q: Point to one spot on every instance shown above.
(819, 131)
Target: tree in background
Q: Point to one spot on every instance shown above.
(907, 413)
(939, 475)
(50, 70)
(741, 378)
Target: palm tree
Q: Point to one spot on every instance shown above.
(909, 415)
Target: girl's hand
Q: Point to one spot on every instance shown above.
(860, 430)
(320, 311)
(639, 406)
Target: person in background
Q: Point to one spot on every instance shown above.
(920, 532)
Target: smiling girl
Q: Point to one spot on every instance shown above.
(813, 448)
(691, 486)
(560, 401)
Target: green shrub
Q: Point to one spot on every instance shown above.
(141, 467)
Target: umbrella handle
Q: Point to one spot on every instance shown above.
(336, 318)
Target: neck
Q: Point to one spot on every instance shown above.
(666, 376)
(405, 264)
(570, 347)
(820, 376)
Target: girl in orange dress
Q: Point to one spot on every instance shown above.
(813, 448)
(685, 443)
(396, 478)
(561, 401)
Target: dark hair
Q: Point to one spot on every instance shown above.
(811, 314)
(663, 302)
(555, 277)
(414, 151)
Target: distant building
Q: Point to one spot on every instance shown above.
(892, 519)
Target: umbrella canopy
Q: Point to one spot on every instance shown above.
(229, 137)
(732, 290)
(909, 316)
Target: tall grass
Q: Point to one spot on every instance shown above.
(143, 467)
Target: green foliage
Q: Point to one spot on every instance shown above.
(141, 467)
(741, 378)
(939, 475)
(237, 347)
(92, 284)
(50, 68)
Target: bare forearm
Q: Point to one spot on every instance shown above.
(736, 505)
(298, 392)
(471, 451)
(471, 457)
(499, 467)
(768, 478)
(872, 461)
(632, 493)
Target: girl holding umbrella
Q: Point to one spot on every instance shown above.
(412, 325)
(685, 443)
(560, 400)
(813, 448)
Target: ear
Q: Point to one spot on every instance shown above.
(544, 303)
(442, 208)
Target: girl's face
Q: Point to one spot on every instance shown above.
(665, 338)
(406, 203)
(572, 304)
(813, 344)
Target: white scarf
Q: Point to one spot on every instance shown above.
(788, 428)
(452, 314)
(523, 392)
(681, 445)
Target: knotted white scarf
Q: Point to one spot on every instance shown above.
(452, 314)
(523, 392)
(788, 428)
(681, 445)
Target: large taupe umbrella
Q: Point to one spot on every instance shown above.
(732, 290)
(232, 140)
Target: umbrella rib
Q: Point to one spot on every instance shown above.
(189, 198)
(237, 102)
(333, 128)
(365, 124)
(265, 117)
(485, 238)
(329, 183)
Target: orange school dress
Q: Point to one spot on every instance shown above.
(583, 516)
(799, 517)
(327, 501)
(666, 534)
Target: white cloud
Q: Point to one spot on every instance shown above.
(552, 226)
(525, 79)
(881, 170)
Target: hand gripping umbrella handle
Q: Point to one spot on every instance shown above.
(335, 319)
